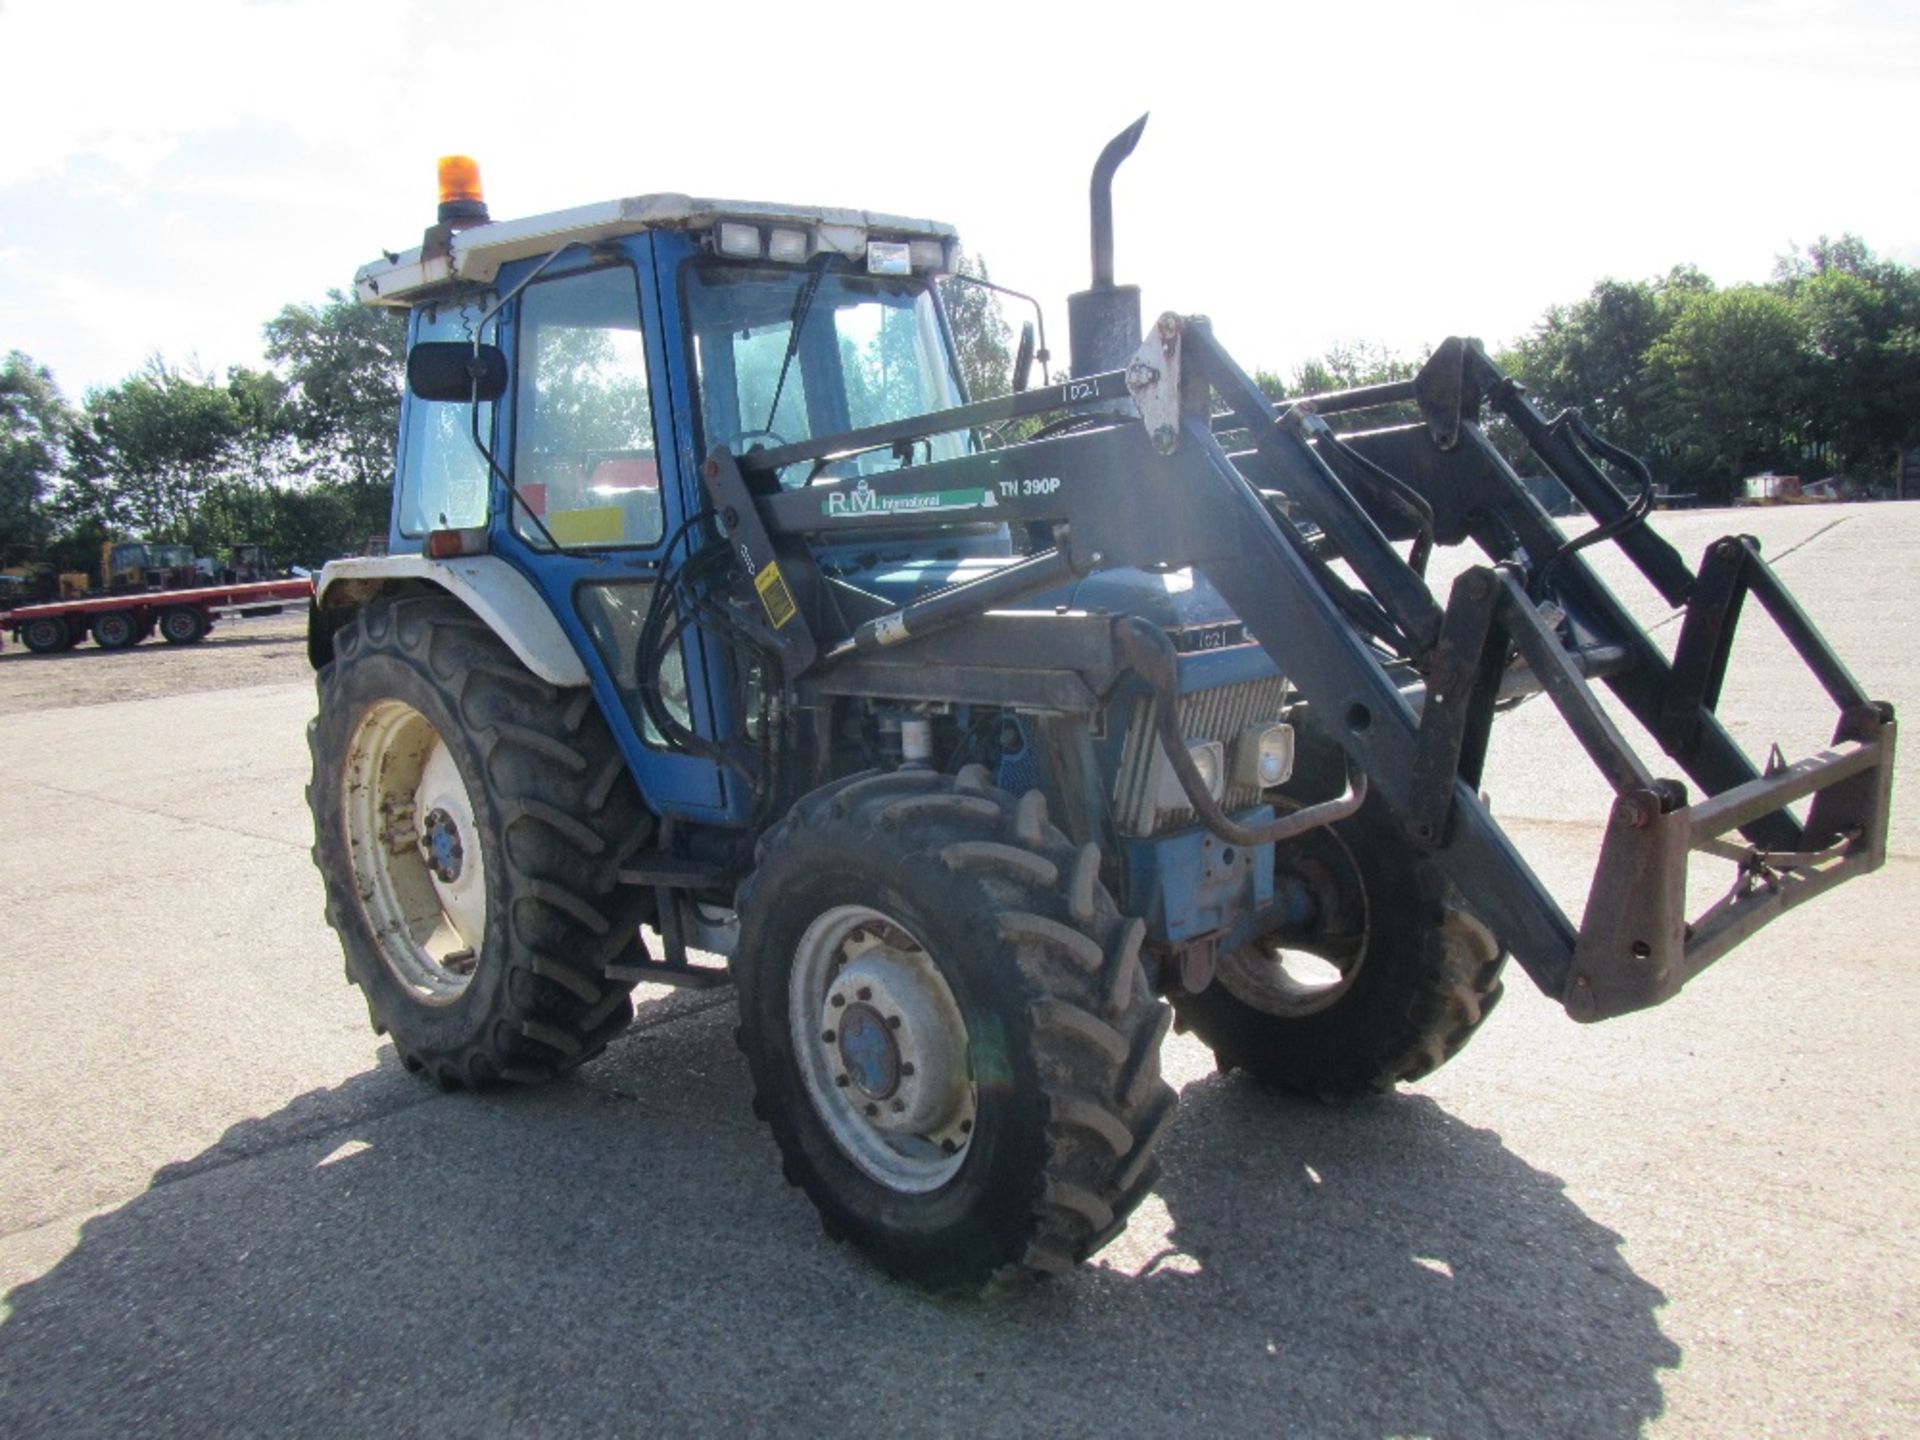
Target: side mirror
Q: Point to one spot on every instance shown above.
(1023, 358)
(456, 370)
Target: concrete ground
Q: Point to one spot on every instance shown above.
(225, 1210)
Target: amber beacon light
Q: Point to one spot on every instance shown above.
(461, 198)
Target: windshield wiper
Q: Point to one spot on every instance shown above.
(802, 303)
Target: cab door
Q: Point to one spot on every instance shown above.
(587, 436)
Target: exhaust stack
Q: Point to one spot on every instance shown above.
(1103, 323)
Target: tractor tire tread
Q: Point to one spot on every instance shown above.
(1100, 1105)
(562, 918)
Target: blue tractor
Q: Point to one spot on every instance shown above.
(976, 742)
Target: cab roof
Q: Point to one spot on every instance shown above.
(474, 255)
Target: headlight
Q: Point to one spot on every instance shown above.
(1263, 756)
(1209, 758)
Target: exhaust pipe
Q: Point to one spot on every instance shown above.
(1103, 323)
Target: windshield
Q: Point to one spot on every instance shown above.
(870, 349)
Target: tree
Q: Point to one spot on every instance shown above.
(1735, 384)
(35, 423)
(1849, 255)
(1346, 367)
(151, 447)
(344, 364)
(1863, 325)
(1592, 355)
(1350, 366)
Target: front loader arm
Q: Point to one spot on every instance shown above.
(1406, 686)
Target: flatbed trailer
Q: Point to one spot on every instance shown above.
(118, 622)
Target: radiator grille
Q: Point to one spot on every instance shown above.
(1217, 714)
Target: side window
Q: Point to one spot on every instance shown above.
(615, 613)
(443, 478)
(584, 457)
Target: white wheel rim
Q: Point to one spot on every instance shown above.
(882, 1049)
(415, 848)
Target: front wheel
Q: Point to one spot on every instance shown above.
(949, 1029)
(1389, 983)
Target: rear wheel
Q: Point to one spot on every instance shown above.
(1389, 983)
(183, 625)
(470, 822)
(46, 634)
(949, 1029)
(117, 630)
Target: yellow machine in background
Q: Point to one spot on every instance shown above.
(136, 565)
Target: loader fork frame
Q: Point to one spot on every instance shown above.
(1415, 723)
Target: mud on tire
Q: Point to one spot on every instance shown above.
(1422, 974)
(555, 814)
(1063, 1105)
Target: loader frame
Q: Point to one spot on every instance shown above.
(1406, 687)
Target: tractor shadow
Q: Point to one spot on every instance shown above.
(618, 1253)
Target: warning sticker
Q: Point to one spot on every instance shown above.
(774, 595)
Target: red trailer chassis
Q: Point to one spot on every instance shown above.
(117, 622)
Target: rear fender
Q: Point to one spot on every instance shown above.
(492, 589)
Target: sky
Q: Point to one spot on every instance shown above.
(174, 173)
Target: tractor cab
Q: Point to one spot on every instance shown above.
(570, 373)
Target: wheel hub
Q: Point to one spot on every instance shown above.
(440, 843)
(867, 1051)
(902, 1051)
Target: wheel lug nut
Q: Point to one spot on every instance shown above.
(899, 1106)
(828, 1036)
(838, 1001)
(948, 1146)
(873, 1109)
(966, 1127)
(893, 1022)
(906, 1067)
(863, 993)
(842, 1081)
